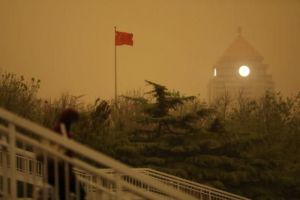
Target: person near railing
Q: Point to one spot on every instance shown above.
(63, 127)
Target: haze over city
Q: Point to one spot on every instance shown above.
(69, 45)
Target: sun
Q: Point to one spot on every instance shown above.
(244, 71)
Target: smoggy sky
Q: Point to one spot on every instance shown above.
(69, 44)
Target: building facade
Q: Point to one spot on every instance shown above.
(239, 71)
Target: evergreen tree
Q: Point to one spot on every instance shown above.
(159, 113)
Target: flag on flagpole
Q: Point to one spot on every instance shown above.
(123, 38)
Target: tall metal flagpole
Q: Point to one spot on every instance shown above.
(116, 86)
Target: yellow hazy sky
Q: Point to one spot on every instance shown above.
(69, 44)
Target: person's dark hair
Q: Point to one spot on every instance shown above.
(68, 116)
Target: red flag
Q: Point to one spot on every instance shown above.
(122, 38)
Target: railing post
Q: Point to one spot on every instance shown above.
(34, 174)
(77, 186)
(67, 180)
(4, 175)
(26, 176)
(45, 176)
(118, 180)
(12, 155)
(56, 178)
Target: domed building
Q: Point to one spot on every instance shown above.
(239, 71)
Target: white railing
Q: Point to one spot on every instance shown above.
(51, 148)
(25, 168)
(197, 190)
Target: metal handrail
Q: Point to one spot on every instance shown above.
(189, 186)
(198, 190)
(18, 123)
(178, 183)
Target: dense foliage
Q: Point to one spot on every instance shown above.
(249, 147)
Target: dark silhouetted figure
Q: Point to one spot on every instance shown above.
(63, 127)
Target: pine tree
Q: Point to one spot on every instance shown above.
(158, 113)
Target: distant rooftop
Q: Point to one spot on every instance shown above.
(240, 48)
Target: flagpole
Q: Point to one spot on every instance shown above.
(116, 86)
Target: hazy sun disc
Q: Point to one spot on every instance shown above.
(244, 71)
